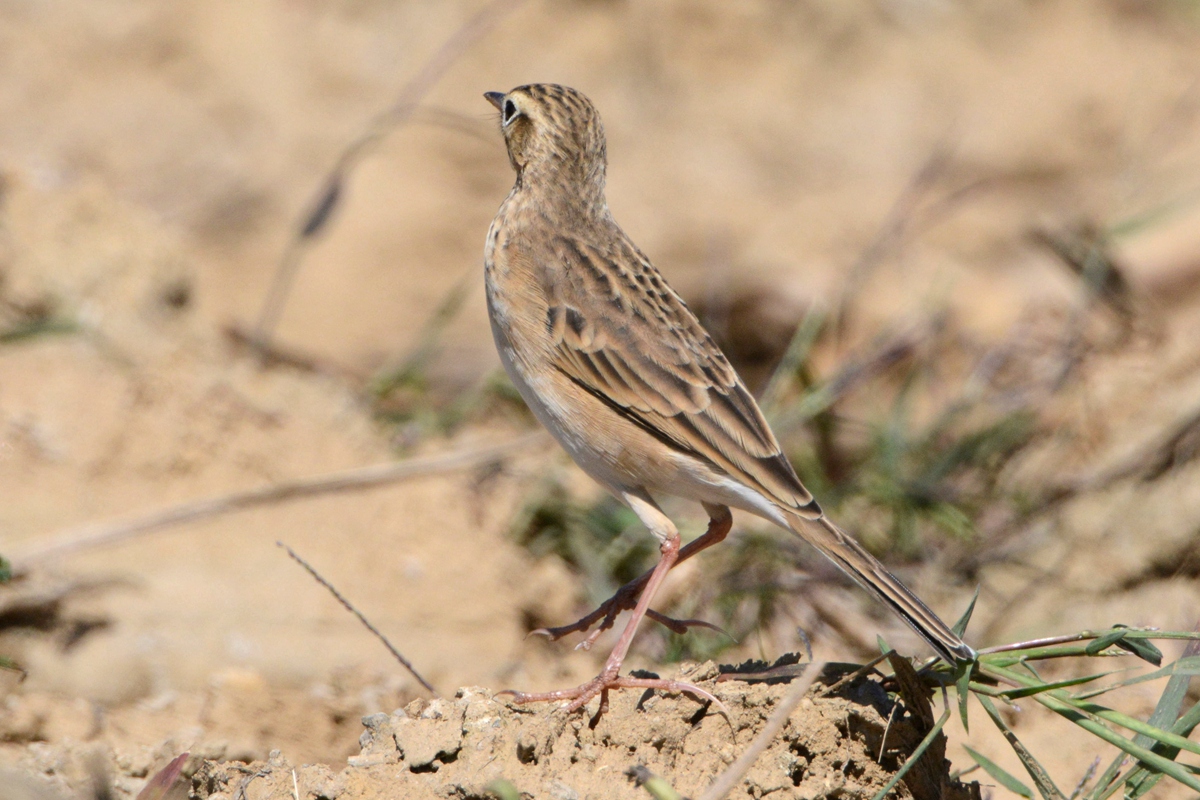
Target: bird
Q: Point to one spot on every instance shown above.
(610, 359)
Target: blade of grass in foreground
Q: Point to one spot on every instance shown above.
(659, 789)
(1184, 669)
(963, 686)
(1041, 778)
(1140, 780)
(1057, 702)
(1091, 709)
(1107, 714)
(502, 790)
(797, 352)
(1102, 643)
(964, 679)
(916, 754)
(1006, 778)
(1029, 691)
(960, 627)
(1184, 727)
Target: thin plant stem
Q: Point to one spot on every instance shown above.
(728, 779)
(366, 623)
(104, 534)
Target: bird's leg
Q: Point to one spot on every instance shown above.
(609, 677)
(719, 524)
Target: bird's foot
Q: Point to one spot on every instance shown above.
(602, 683)
(627, 596)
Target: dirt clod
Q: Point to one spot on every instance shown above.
(455, 748)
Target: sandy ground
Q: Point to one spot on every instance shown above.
(154, 159)
(844, 737)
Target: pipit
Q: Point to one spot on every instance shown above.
(610, 359)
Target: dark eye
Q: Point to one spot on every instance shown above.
(510, 111)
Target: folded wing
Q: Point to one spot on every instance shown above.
(650, 360)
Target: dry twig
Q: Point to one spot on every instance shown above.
(322, 206)
(107, 533)
(404, 662)
(728, 779)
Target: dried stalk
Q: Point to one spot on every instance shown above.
(322, 206)
(346, 604)
(728, 779)
(102, 534)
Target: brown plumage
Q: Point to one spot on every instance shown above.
(611, 360)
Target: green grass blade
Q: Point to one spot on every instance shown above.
(503, 790)
(1140, 781)
(1166, 712)
(1041, 778)
(659, 789)
(960, 627)
(1109, 715)
(1118, 637)
(39, 327)
(1188, 722)
(985, 690)
(1185, 667)
(1056, 703)
(1006, 779)
(916, 754)
(1155, 733)
(1072, 645)
(1152, 633)
(1143, 649)
(1152, 759)
(1073, 650)
(1153, 216)
(963, 687)
(1102, 643)
(1029, 691)
(1108, 782)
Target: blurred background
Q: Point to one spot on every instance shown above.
(955, 249)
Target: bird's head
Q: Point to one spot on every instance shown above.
(554, 137)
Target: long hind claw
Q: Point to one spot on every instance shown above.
(578, 626)
(624, 600)
(609, 610)
(682, 626)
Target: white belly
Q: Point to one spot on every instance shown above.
(562, 425)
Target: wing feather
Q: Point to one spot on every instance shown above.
(678, 385)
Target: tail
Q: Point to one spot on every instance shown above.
(841, 548)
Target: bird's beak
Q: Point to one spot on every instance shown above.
(496, 99)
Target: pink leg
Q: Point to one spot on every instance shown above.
(609, 677)
(627, 596)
